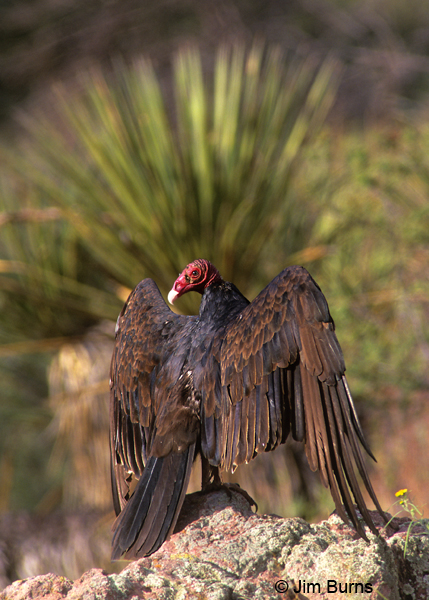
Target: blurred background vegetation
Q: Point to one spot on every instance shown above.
(136, 138)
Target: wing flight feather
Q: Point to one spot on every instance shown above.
(283, 369)
(144, 333)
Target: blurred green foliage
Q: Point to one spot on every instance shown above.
(43, 266)
(117, 183)
(148, 188)
(114, 185)
(375, 224)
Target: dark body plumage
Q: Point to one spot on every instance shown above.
(230, 383)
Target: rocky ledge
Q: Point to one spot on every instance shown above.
(222, 550)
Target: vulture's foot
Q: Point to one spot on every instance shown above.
(211, 481)
(216, 486)
(234, 486)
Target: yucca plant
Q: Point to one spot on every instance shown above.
(45, 291)
(149, 185)
(138, 185)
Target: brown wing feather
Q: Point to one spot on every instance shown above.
(283, 369)
(144, 329)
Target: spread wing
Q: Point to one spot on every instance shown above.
(145, 334)
(277, 369)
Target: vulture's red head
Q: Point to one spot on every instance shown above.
(195, 277)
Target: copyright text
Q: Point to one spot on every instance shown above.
(330, 587)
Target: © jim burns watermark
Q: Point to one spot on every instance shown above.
(330, 587)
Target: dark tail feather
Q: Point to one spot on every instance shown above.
(151, 513)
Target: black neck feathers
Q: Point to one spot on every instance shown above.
(220, 303)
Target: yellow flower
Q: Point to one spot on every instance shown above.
(401, 492)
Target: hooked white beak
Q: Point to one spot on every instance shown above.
(172, 295)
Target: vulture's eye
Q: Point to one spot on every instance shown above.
(195, 274)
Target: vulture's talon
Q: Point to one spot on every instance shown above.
(236, 488)
(218, 486)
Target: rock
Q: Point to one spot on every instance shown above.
(223, 551)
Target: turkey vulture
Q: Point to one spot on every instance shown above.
(227, 384)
